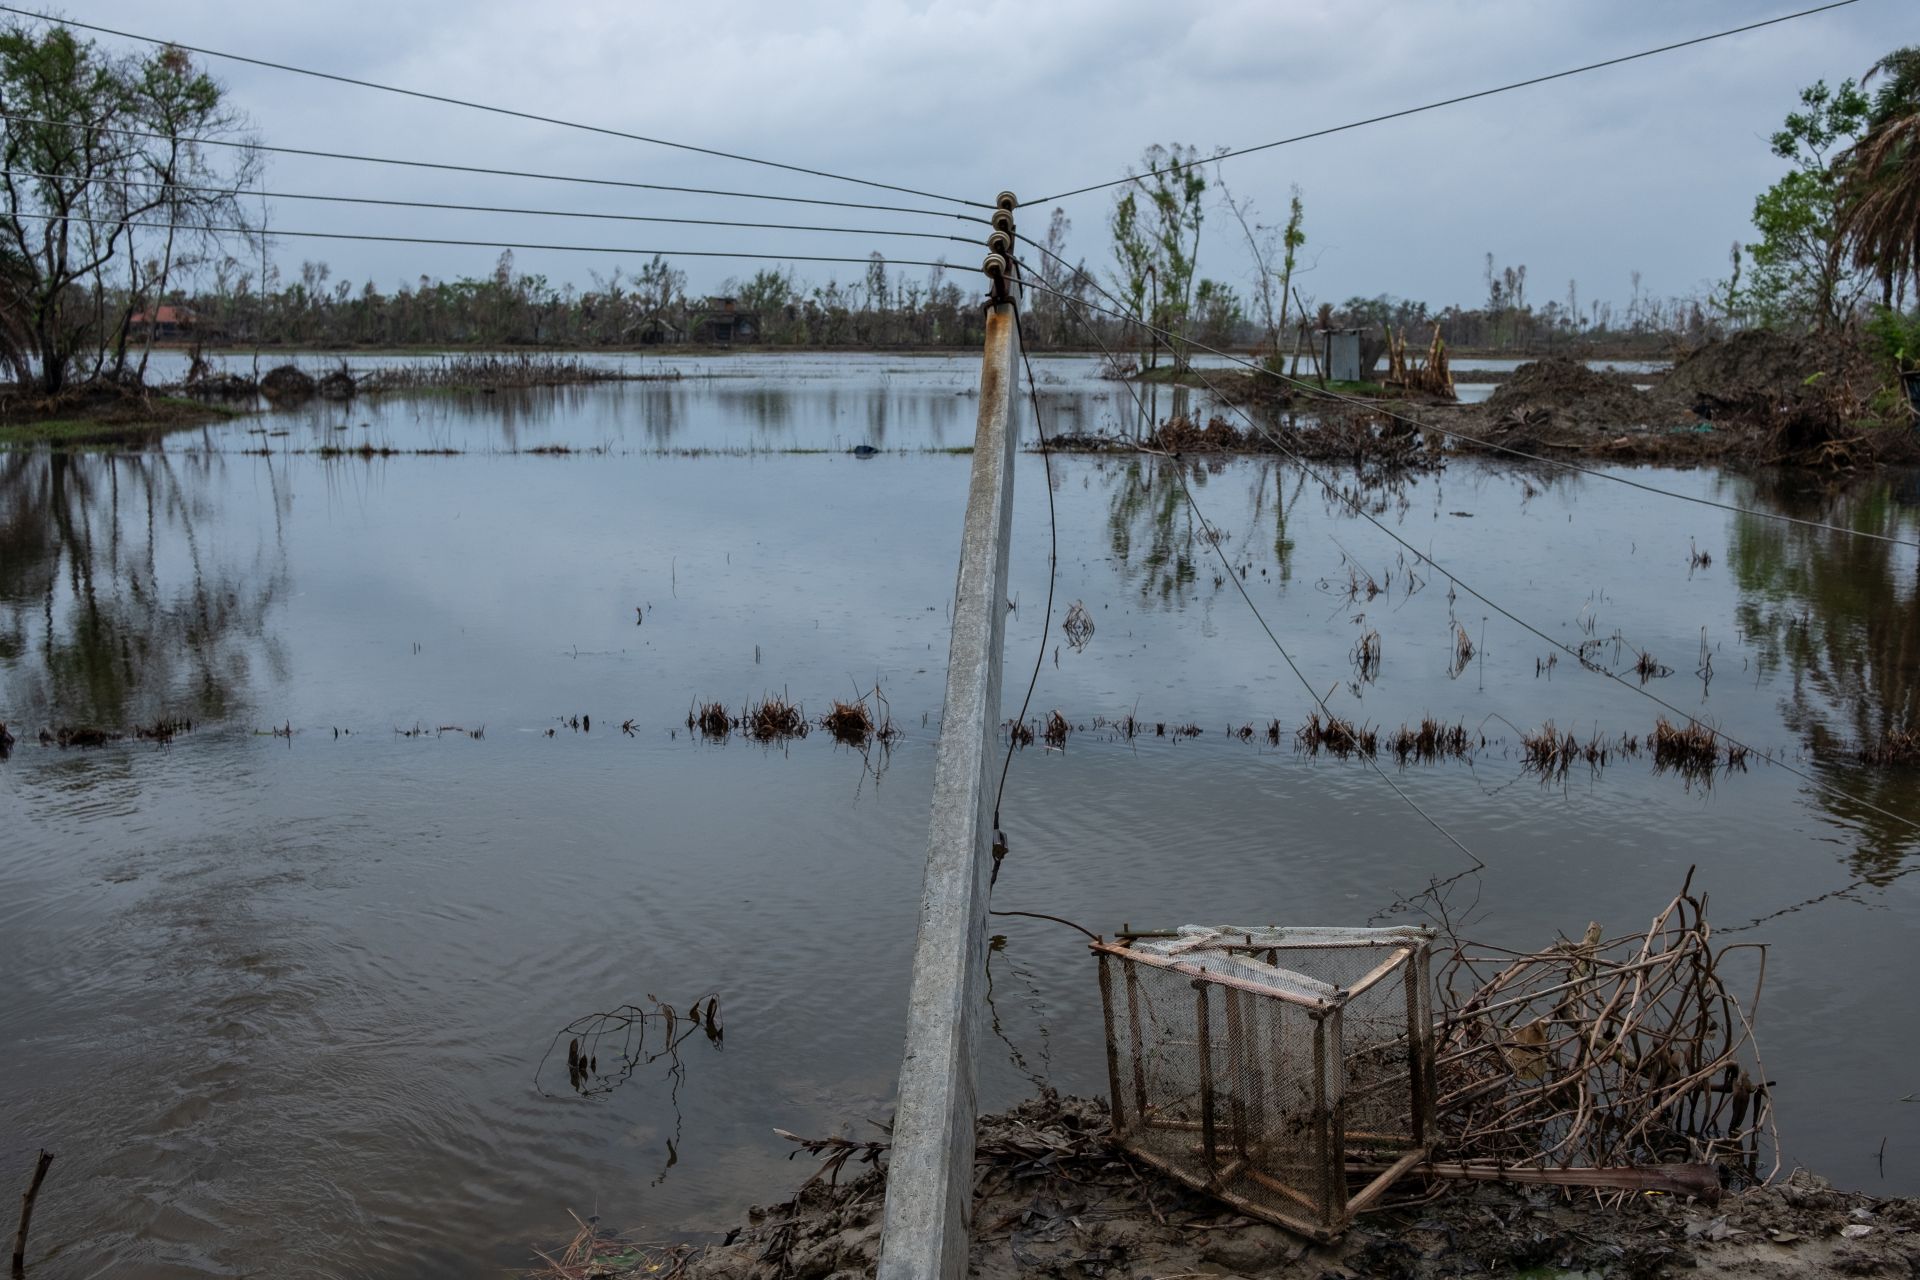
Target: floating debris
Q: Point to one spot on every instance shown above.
(1078, 626)
(1365, 657)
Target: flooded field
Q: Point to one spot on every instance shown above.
(283, 991)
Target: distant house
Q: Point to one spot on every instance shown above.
(656, 331)
(167, 324)
(722, 323)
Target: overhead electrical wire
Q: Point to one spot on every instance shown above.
(1232, 574)
(482, 208)
(1448, 102)
(1358, 508)
(1325, 393)
(476, 244)
(480, 106)
(483, 170)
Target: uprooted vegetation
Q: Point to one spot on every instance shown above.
(1757, 398)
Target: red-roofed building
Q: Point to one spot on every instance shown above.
(167, 322)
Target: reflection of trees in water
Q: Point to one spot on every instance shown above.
(1152, 530)
(1841, 616)
(1156, 539)
(114, 608)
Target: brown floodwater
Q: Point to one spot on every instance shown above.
(280, 1003)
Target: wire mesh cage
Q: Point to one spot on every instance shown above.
(1266, 1066)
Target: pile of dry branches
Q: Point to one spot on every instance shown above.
(1604, 1054)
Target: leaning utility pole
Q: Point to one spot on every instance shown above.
(930, 1170)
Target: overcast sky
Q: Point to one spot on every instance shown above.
(1652, 166)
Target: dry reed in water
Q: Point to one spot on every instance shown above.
(1431, 741)
(711, 719)
(1336, 736)
(1057, 730)
(774, 719)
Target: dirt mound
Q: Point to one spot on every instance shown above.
(287, 383)
(1567, 393)
(338, 385)
(1052, 1198)
(1758, 367)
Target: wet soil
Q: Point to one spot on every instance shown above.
(1052, 1198)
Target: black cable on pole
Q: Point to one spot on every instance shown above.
(1454, 101)
(270, 233)
(483, 208)
(1053, 573)
(443, 167)
(1546, 460)
(1359, 509)
(480, 106)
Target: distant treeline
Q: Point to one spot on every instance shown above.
(884, 307)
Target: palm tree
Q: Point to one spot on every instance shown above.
(1880, 179)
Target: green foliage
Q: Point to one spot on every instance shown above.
(1800, 274)
(1156, 225)
(1897, 336)
(97, 146)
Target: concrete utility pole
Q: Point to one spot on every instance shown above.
(930, 1170)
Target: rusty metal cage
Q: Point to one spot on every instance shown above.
(1267, 1066)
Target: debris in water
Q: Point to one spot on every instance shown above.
(1057, 730)
(1078, 626)
(1336, 736)
(1365, 657)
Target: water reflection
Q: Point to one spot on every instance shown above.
(1840, 615)
(118, 604)
(1158, 544)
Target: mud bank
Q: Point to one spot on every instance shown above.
(1758, 399)
(1053, 1199)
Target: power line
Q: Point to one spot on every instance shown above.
(1233, 575)
(444, 167)
(1544, 459)
(1454, 101)
(482, 208)
(270, 233)
(482, 106)
(1359, 509)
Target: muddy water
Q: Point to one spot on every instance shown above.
(281, 1001)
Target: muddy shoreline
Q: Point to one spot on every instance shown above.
(1053, 1198)
(1759, 399)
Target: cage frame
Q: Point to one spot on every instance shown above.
(1408, 955)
